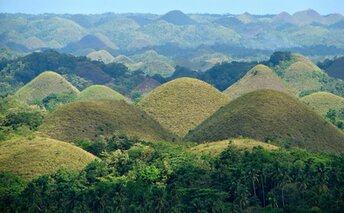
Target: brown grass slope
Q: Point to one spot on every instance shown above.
(270, 115)
(40, 156)
(182, 104)
(322, 102)
(215, 148)
(302, 74)
(101, 55)
(259, 77)
(97, 92)
(43, 85)
(93, 118)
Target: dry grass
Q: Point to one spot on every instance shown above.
(259, 77)
(101, 55)
(322, 102)
(97, 92)
(94, 118)
(215, 148)
(270, 115)
(40, 156)
(182, 104)
(44, 85)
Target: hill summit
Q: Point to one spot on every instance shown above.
(259, 77)
(270, 115)
(100, 92)
(182, 104)
(322, 102)
(177, 17)
(94, 118)
(43, 85)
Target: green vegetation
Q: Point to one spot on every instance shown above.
(45, 84)
(270, 116)
(182, 104)
(52, 101)
(333, 68)
(100, 92)
(259, 77)
(30, 158)
(95, 118)
(163, 177)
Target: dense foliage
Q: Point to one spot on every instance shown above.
(161, 177)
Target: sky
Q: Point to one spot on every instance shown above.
(162, 6)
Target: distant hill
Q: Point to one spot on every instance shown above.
(43, 85)
(334, 68)
(93, 118)
(30, 158)
(177, 17)
(301, 74)
(269, 115)
(151, 62)
(101, 55)
(146, 85)
(100, 92)
(307, 17)
(90, 42)
(215, 148)
(259, 77)
(322, 102)
(182, 104)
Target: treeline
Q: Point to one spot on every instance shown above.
(162, 177)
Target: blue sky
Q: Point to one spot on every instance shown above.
(163, 6)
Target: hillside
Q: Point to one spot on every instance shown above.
(215, 148)
(100, 92)
(259, 77)
(43, 85)
(270, 115)
(91, 119)
(322, 102)
(31, 158)
(146, 85)
(101, 55)
(182, 104)
(301, 74)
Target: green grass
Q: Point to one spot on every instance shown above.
(270, 115)
(94, 118)
(30, 158)
(101, 55)
(43, 85)
(322, 102)
(182, 104)
(259, 77)
(215, 148)
(100, 92)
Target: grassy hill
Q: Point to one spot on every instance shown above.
(40, 156)
(182, 104)
(101, 55)
(322, 102)
(259, 77)
(100, 92)
(46, 83)
(93, 118)
(301, 74)
(270, 115)
(215, 148)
